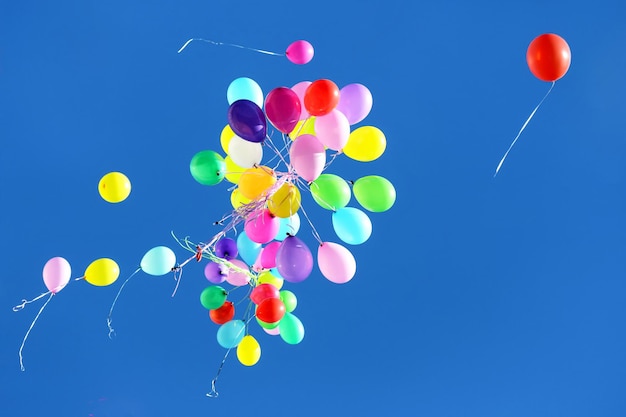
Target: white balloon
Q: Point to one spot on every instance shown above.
(244, 153)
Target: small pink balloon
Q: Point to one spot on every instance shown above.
(56, 274)
(300, 89)
(308, 157)
(268, 255)
(238, 277)
(262, 227)
(336, 262)
(333, 129)
(300, 52)
(355, 102)
(273, 332)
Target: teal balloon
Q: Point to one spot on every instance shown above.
(352, 225)
(291, 329)
(158, 261)
(288, 226)
(230, 334)
(244, 88)
(207, 167)
(248, 250)
(213, 297)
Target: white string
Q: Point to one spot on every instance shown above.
(30, 328)
(522, 129)
(109, 319)
(228, 44)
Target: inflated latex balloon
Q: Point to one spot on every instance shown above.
(352, 225)
(225, 137)
(247, 120)
(239, 276)
(266, 277)
(248, 351)
(262, 227)
(102, 272)
(374, 193)
(244, 88)
(158, 261)
(56, 274)
(256, 181)
(548, 57)
(268, 255)
(270, 310)
(365, 144)
(237, 199)
(291, 329)
(331, 191)
(248, 249)
(213, 297)
(294, 260)
(300, 90)
(333, 130)
(321, 97)
(283, 108)
(114, 187)
(267, 325)
(288, 226)
(263, 291)
(308, 157)
(355, 102)
(233, 171)
(223, 314)
(215, 273)
(285, 201)
(226, 248)
(230, 334)
(289, 299)
(336, 262)
(300, 52)
(207, 167)
(244, 153)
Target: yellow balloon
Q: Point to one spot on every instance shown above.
(114, 187)
(266, 277)
(233, 171)
(237, 200)
(303, 127)
(225, 137)
(248, 350)
(285, 201)
(255, 181)
(365, 144)
(102, 272)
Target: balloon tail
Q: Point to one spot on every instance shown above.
(109, 319)
(178, 274)
(262, 51)
(31, 328)
(24, 302)
(522, 129)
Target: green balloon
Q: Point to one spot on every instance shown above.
(267, 325)
(331, 191)
(213, 297)
(291, 329)
(207, 167)
(289, 300)
(374, 193)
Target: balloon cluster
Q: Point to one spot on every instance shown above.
(312, 124)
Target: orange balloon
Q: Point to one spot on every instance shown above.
(548, 57)
(255, 181)
(321, 97)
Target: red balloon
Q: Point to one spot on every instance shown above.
(321, 97)
(283, 108)
(270, 310)
(262, 292)
(548, 57)
(223, 314)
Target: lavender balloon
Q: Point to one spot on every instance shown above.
(294, 260)
(215, 273)
(247, 120)
(355, 102)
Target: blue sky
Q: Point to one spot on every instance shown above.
(474, 296)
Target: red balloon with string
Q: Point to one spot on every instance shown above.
(548, 57)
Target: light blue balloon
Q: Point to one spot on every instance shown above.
(248, 250)
(352, 225)
(230, 334)
(288, 226)
(158, 261)
(274, 271)
(244, 88)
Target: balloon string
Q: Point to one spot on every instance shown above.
(522, 129)
(24, 302)
(228, 44)
(178, 275)
(30, 328)
(109, 319)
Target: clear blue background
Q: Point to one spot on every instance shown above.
(475, 296)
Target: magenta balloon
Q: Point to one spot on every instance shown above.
(283, 108)
(262, 227)
(247, 120)
(332, 129)
(294, 260)
(336, 262)
(300, 52)
(268, 255)
(308, 157)
(300, 89)
(355, 102)
(56, 274)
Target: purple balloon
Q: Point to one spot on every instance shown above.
(294, 260)
(226, 248)
(247, 120)
(215, 273)
(355, 102)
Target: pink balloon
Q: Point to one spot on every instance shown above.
(274, 332)
(262, 227)
(300, 52)
(336, 262)
(300, 89)
(238, 277)
(56, 274)
(355, 102)
(333, 130)
(268, 255)
(283, 108)
(308, 157)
